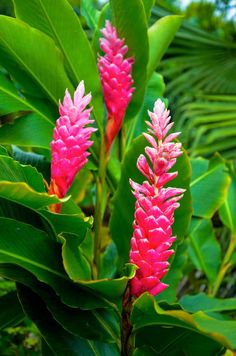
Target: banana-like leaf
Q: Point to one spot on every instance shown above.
(130, 21)
(57, 19)
(178, 330)
(11, 310)
(30, 56)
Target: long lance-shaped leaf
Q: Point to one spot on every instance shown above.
(160, 36)
(11, 311)
(33, 59)
(130, 20)
(182, 332)
(57, 19)
(60, 341)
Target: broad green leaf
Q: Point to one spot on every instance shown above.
(147, 6)
(12, 100)
(122, 233)
(27, 131)
(23, 184)
(206, 176)
(75, 263)
(30, 57)
(31, 249)
(97, 324)
(90, 13)
(70, 294)
(108, 262)
(160, 35)
(105, 14)
(155, 89)
(11, 310)
(57, 19)
(228, 209)
(130, 20)
(60, 341)
(204, 249)
(13, 171)
(111, 288)
(201, 301)
(147, 316)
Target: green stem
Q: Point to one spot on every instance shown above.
(127, 340)
(98, 219)
(225, 265)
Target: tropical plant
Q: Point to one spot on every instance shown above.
(200, 71)
(65, 234)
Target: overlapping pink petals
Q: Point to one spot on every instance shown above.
(116, 79)
(155, 205)
(71, 140)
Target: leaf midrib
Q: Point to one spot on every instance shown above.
(24, 102)
(33, 263)
(59, 41)
(203, 176)
(29, 70)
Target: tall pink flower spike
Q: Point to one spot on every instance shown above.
(71, 139)
(155, 205)
(115, 72)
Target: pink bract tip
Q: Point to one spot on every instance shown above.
(115, 72)
(155, 205)
(71, 139)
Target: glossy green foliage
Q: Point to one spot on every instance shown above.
(52, 17)
(130, 21)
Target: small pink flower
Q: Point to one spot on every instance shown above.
(115, 72)
(155, 205)
(71, 139)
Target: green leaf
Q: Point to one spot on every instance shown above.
(204, 249)
(98, 324)
(59, 340)
(13, 171)
(206, 176)
(70, 294)
(171, 325)
(147, 7)
(130, 20)
(227, 210)
(122, 233)
(27, 131)
(90, 13)
(11, 311)
(30, 56)
(201, 301)
(160, 36)
(57, 19)
(75, 263)
(111, 288)
(23, 184)
(155, 89)
(11, 100)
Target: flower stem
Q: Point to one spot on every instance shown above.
(127, 340)
(225, 265)
(99, 211)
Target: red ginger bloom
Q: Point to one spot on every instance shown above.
(115, 72)
(155, 205)
(71, 139)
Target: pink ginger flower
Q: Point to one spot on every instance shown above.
(115, 72)
(71, 139)
(155, 205)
